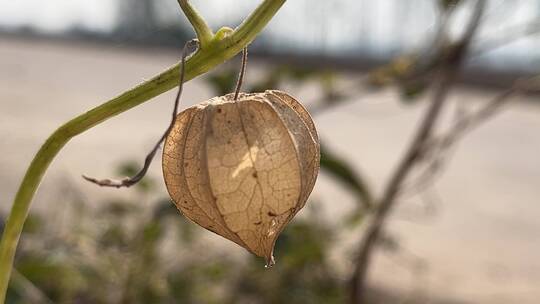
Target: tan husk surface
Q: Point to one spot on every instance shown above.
(244, 168)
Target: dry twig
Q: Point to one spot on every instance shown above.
(449, 69)
(130, 181)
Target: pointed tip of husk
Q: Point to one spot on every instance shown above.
(270, 261)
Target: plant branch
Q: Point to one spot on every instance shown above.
(218, 51)
(203, 31)
(448, 73)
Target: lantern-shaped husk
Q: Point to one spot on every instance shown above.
(243, 168)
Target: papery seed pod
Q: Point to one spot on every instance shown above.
(243, 168)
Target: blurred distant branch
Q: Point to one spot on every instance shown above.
(436, 150)
(338, 168)
(505, 37)
(224, 45)
(448, 71)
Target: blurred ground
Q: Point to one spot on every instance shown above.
(479, 241)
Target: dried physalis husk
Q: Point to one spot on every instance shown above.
(243, 168)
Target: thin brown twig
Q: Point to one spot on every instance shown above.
(130, 181)
(449, 71)
(241, 75)
(440, 147)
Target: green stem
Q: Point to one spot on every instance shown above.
(203, 31)
(219, 49)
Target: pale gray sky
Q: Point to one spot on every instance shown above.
(57, 15)
(340, 26)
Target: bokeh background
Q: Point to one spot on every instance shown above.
(470, 236)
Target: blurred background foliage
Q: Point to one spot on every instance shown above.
(145, 252)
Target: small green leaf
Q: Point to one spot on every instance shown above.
(117, 208)
(164, 207)
(151, 232)
(343, 172)
(354, 219)
(33, 224)
(411, 91)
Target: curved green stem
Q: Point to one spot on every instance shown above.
(203, 31)
(220, 48)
